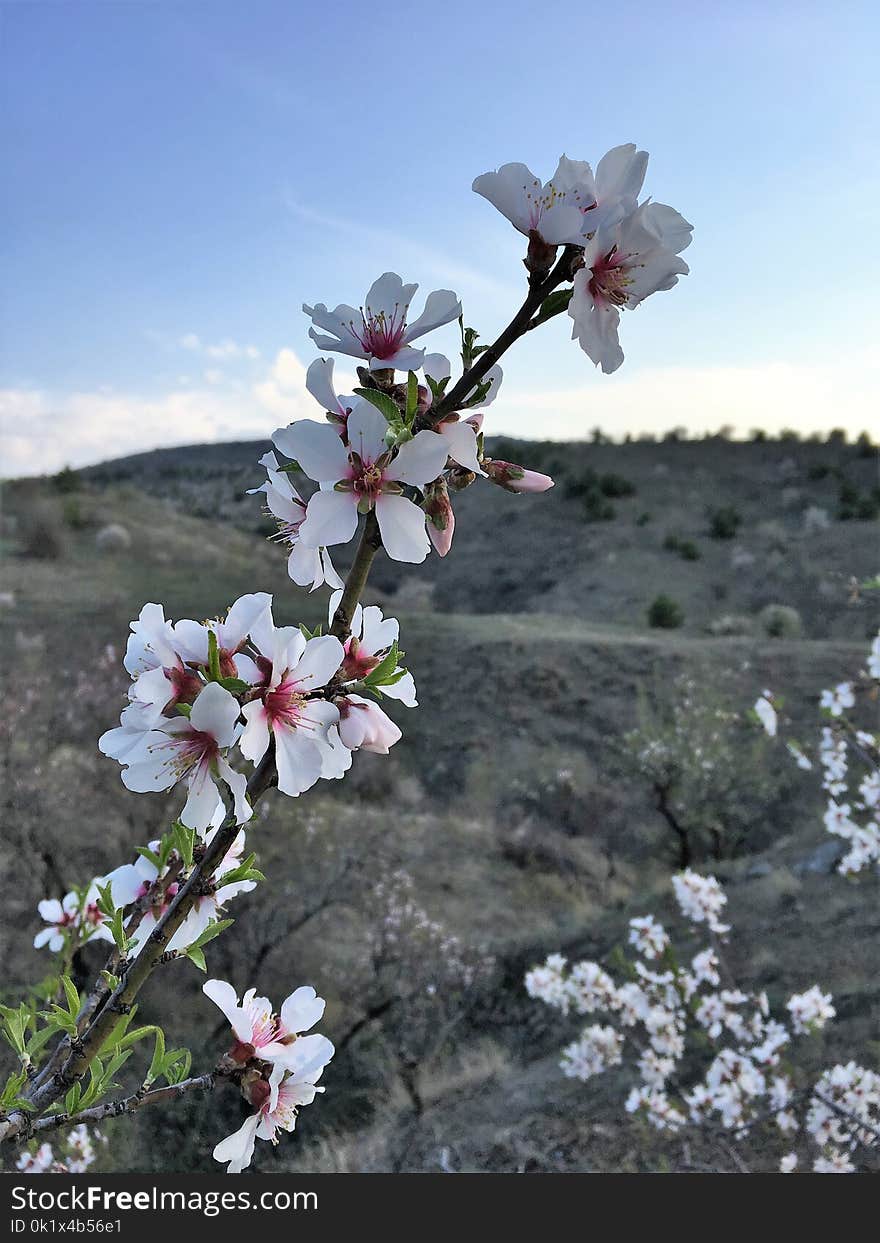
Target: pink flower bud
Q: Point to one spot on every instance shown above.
(363, 726)
(441, 519)
(515, 478)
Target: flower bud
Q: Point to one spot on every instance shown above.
(363, 726)
(515, 478)
(540, 255)
(441, 519)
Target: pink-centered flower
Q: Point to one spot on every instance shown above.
(192, 749)
(278, 1100)
(623, 265)
(379, 330)
(262, 1033)
(191, 638)
(368, 644)
(552, 210)
(292, 710)
(363, 473)
(308, 567)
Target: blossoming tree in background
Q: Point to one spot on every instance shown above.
(699, 1052)
(228, 709)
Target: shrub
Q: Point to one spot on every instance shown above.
(692, 749)
(643, 519)
(819, 470)
(581, 484)
(616, 485)
(665, 613)
(597, 508)
(865, 445)
(41, 533)
(686, 548)
(66, 480)
(780, 621)
(724, 522)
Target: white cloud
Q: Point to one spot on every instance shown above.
(42, 431)
(224, 349)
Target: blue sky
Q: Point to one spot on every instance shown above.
(181, 176)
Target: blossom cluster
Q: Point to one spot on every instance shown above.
(848, 757)
(79, 1155)
(276, 1066)
(626, 249)
(201, 690)
(668, 1018)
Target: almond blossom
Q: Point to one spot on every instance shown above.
(290, 1086)
(262, 1033)
(622, 265)
(61, 916)
(291, 708)
(307, 567)
(363, 473)
(192, 638)
(370, 641)
(553, 210)
(363, 726)
(379, 330)
(191, 749)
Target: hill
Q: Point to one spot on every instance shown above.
(508, 813)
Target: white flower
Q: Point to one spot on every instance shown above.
(622, 266)
(192, 641)
(319, 382)
(835, 1162)
(290, 711)
(308, 567)
(766, 713)
(60, 916)
(597, 1049)
(369, 642)
(191, 750)
(874, 658)
(554, 211)
(291, 1085)
(39, 1162)
(363, 474)
(260, 1032)
(379, 330)
(700, 898)
(838, 700)
(811, 1010)
(648, 937)
(363, 726)
(788, 1163)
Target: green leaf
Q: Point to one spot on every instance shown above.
(412, 396)
(194, 954)
(386, 672)
(382, 402)
(177, 1065)
(213, 657)
(158, 1056)
(150, 856)
(72, 994)
(289, 467)
(184, 841)
(235, 686)
(438, 387)
(213, 930)
(554, 305)
(184, 709)
(311, 634)
(72, 1099)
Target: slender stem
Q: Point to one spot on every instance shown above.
(518, 327)
(128, 1104)
(371, 542)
